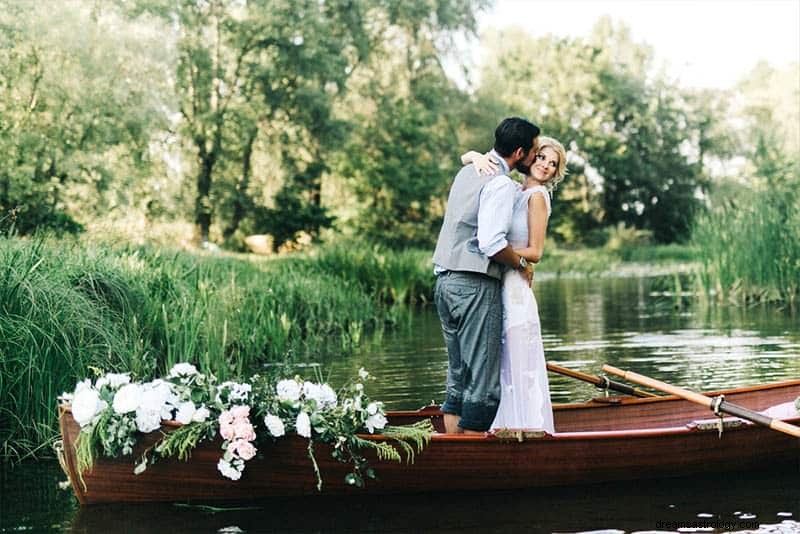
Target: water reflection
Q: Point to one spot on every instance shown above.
(760, 501)
(729, 501)
(587, 323)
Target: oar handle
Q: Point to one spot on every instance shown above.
(601, 382)
(714, 404)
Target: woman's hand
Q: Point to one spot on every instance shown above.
(483, 163)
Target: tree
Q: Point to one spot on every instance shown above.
(74, 110)
(626, 130)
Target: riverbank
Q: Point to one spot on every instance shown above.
(69, 307)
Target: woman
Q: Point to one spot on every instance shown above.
(525, 394)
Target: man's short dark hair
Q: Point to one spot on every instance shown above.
(514, 133)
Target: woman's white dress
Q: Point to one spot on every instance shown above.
(525, 393)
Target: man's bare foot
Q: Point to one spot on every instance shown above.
(451, 421)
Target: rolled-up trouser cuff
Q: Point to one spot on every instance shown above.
(451, 405)
(477, 416)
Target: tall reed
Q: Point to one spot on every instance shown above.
(69, 308)
(749, 247)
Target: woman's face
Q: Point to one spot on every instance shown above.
(544, 165)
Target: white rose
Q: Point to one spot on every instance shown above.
(327, 396)
(186, 412)
(147, 420)
(155, 395)
(237, 391)
(114, 380)
(363, 374)
(200, 415)
(127, 399)
(372, 408)
(83, 384)
(288, 390)
(375, 421)
(303, 425)
(311, 391)
(182, 369)
(228, 470)
(86, 404)
(274, 425)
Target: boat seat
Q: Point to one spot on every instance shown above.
(519, 434)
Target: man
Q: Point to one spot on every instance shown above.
(470, 255)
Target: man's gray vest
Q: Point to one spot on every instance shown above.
(457, 247)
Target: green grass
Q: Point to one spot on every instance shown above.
(590, 261)
(69, 307)
(749, 248)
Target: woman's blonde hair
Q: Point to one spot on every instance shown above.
(561, 169)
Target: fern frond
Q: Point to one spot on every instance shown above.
(410, 438)
(182, 441)
(383, 450)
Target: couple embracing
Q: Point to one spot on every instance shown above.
(493, 231)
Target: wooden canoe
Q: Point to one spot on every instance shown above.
(597, 441)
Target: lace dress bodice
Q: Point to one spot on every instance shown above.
(518, 234)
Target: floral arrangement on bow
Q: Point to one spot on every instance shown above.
(115, 411)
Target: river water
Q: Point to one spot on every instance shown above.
(627, 322)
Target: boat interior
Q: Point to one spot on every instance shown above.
(613, 413)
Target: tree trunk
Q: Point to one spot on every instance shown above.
(240, 201)
(202, 208)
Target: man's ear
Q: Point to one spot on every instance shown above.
(518, 154)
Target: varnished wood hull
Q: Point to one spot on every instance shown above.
(597, 441)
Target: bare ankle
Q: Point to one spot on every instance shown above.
(451, 421)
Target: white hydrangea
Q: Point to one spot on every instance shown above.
(113, 380)
(182, 370)
(86, 404)
(322, 394)
(288, 390)
(275, 425)
(127, 398)
(303, 425)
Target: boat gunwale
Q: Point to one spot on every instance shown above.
(489, 437)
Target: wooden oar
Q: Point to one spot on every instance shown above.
(600, 381)
(716, 404)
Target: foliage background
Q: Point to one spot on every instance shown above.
(336, 118)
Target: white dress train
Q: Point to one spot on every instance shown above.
(525, 392)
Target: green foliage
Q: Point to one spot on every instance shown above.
(625, 130)
(749, 246)
(66, 307)
(181, 441)
(75, 112)
(394, 277)
(291, 216)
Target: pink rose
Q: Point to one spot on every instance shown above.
(244, 430)
(226, 431)
(244, 449)
(226, 418)
(240, 412)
